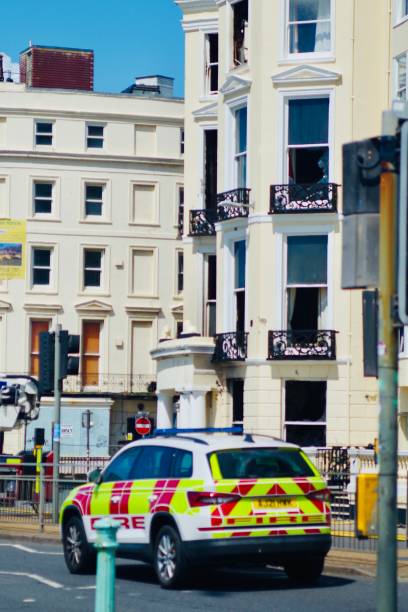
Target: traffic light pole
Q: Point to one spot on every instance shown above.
(57, 424)
(388, 390)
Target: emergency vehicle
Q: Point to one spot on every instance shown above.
(186, 498)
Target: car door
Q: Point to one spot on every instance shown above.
(111, 496)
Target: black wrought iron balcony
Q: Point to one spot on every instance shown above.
(302, 197)
(202, 222)
(233, 203)
(302, 344)
(231, 346)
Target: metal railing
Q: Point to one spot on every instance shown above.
(231, 346)
(233, 204)
(302, 344)
(112, 383)
(303, 198)
(202, 222)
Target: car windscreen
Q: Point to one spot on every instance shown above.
(259, 463)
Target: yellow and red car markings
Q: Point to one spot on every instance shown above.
(290, 531)
(162, 495)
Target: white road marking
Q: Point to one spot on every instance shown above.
(86, 588)
(31, 550)
(46, 581)
(28, 600)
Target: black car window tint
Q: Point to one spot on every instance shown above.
(121, 467)
(155, 462)
(183, 464)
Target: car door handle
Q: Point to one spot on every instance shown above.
(115, 499)
(153, 497)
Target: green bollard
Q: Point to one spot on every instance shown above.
(106, 546)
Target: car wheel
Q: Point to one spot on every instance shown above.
(306, 570)
(80, 557)
(169, 559)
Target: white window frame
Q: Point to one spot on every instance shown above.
(103, 349)
(230, 38)
(208, 65)
(228, 298)
(283, 135)
(400, 15)
(105, 217)
(51, 286)
(280, 290)
(207, 301)
(89, 124)
(179, 187)
(316, 55)
(230, 172)
(43, 182)
(397, 90)
(103, 288)
(36, 133)
(5, 211)
(285, 423)
(179, 252)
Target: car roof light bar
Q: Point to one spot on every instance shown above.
(180, 431)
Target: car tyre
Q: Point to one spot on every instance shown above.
(170, 561)
(306, 571)
(79, 555)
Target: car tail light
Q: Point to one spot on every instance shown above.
(202, 498)
(321, 495)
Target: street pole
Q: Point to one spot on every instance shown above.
(57, 424)
(388, 391)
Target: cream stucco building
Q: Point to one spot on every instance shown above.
(274, 88)
(99, 180)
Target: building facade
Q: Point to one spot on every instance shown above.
(273, 91)
(99, 180)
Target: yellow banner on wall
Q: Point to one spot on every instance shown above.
(12, 248)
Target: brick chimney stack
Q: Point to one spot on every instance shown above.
(57, 67)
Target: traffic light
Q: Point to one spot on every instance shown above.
(69, 354)
(46, 370)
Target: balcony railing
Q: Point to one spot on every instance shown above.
(202, 222)
(111, 383)
(302, 344)
(302, 197)
(231, 346)
(233, 204)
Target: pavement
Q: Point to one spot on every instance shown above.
(339, 561)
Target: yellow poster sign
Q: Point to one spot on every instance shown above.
(12, 248)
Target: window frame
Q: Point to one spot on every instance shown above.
(42, 288)
(99, 354)
(51, 199)
(239, 154)
(316, 55)
(179, 272)
(397, 89)
(95, 138)
(155, 255)
(209, 302)
(286, 423)
(155, 219)
(400, 15)
(283, 134)
(101, 269)
(209, 66)
(38, 134)
(33, 353)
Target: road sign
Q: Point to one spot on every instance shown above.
(403, 228)
(143, 426)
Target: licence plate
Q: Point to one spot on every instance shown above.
(274, 504)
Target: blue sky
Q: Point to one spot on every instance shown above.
(129, 37)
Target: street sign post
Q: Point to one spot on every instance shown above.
(403, 227)
(143, 426)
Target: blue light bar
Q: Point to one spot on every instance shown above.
(174, 431)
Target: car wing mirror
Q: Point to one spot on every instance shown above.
(95, 476)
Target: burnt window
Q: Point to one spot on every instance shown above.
(236, 389)
(210, 169)
(305, 412)
(240, 25)
(211, 42)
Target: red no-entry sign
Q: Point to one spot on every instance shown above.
(143, 426)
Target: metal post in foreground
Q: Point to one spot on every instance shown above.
(388, 372)
(42, 498)
(106, 546)
(57, 424)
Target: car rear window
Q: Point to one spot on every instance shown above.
(259, 463)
